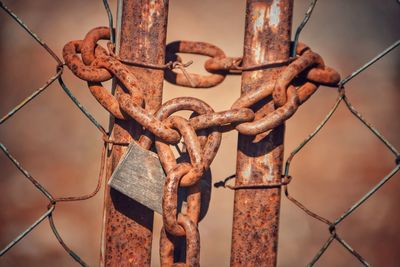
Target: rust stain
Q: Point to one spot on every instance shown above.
(258, 15)
(128, 225)
(256, 211)
(268, 99)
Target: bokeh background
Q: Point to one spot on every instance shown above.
(58, 145)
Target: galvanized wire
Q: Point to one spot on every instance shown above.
(303, 23)
(52, 200)
(110, 20)
(342, 98)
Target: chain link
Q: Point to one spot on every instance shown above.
(299, 80)
(201, 133)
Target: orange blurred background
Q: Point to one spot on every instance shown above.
(55, 142)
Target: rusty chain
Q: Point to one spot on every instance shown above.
(204, 127)
(300, 79)
(297, 83)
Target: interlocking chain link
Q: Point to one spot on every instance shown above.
(231, 65)
(202, 132)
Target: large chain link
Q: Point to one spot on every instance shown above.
(202, 132)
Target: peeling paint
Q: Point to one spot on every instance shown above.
(258, 28)
(269, 175)
(246, 172)
(274, 15)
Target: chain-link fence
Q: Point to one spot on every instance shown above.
(341, 99)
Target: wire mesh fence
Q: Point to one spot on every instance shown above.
(341, 99)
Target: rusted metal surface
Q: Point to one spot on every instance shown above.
(270, 95)
(167, 246)
(294, 85)
(128, 225)
(201, 151)
(202, 131)
(259, 159)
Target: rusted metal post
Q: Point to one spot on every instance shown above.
(259, 159)
(127, 230)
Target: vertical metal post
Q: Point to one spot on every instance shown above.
(259, 159)
(127, 229)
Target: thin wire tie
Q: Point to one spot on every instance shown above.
(284, 181)
(279, 63)
(108, 140)
(171, 65)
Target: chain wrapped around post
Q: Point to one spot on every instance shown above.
(202, 132)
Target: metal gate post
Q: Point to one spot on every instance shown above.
(127, 229)
(259, 159)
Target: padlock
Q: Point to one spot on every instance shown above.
(140, 176)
